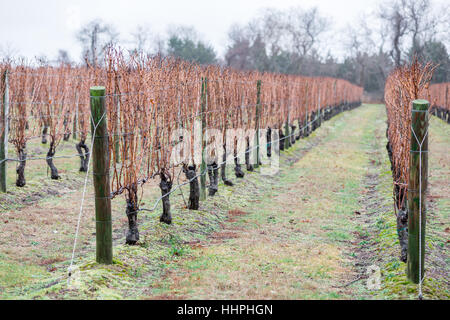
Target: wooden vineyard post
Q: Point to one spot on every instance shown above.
(204, 102)
(341, 108)
(319, 120)
(100, 166)
(417, 186)
(4, 132)
(306, 127)
(75, 118)
(287, 139)
(258, 117)
(446, 111)
(117, 135)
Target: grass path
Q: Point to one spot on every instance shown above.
(309, 232)
(294, 241)
(318, 226)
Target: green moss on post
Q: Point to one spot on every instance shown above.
(306, 127)
(257, 118)
(4, 131)
(204, 103)
(287, 140)
(117, 135)
(75, 122)
(100, 166)
(417, 186)
(319, 112)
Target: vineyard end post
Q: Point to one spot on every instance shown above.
(308, 116)
(100, 166)
(417, 186)
(204, 102)
(117, 137)
(306, 127)
(75, 120)
(319, 113)
(4, 132)
(287, 139)
(257, 125)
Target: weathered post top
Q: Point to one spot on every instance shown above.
(98, 91)
(420, 105)
(97, 107)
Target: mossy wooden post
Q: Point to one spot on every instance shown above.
(75, 119)
(445, 106)
(257, 118)
(4, 129)
(417, 187)
(341, 107)
(117, 135)
(306, 127)
(100, 166)
(319, 114)
(446, 97)
(204, 104)
(287, 140)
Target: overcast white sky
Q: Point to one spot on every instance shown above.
(45, 26)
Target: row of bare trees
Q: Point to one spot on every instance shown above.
(162, 98)
(47, 103)
(154, 107)
(440, 100)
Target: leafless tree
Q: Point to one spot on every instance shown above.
(63, 57)
(7, 52)
(95, 38)
(409, 24)
(141, 37)
(42, 60)
(287, 35)
(359, 44)
(183, 32)
(394, 16)
(422, 22)
(270, 29)
(238, 52)
(305, 28)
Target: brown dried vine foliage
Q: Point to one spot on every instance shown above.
(44, 96)
(403, 85)
(440, 95)
(127, 88)
(59, 97)
(157, 97)
(188, 108)
(24, 91)
(84, 79)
